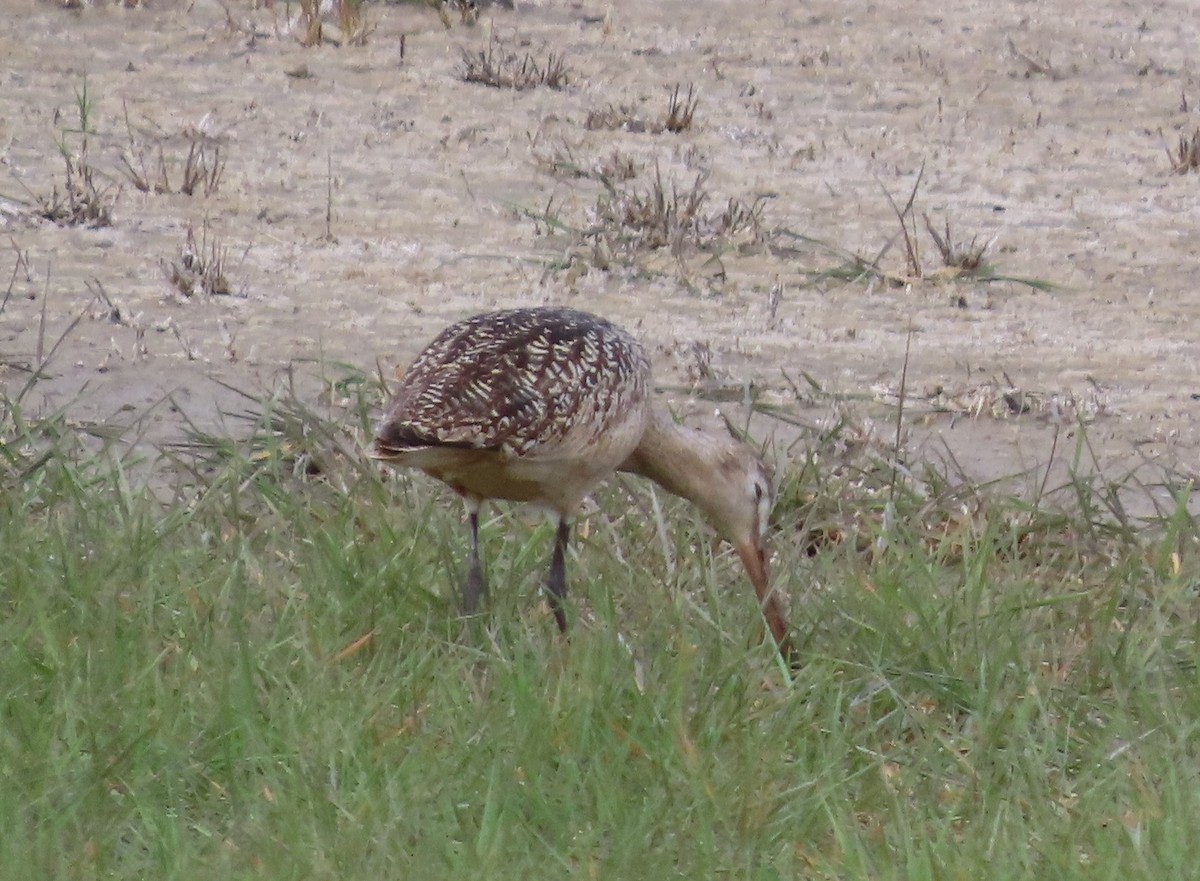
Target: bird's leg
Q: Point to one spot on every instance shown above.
(475, 587)
(556, 583)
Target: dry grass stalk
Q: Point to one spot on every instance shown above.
(967, 258)
(311, 33)
(961, 259)
(201, 172)
(498, 68)
(681, 112)
(200, 269)
(614, 118)
(618, 167)
(1034, 65)
(668, 216)
(1188, 157)
(468, 11)
(353, 24)
(20, 263)
(202, 168)
(346, 14)
(562, 163)
(83, 201)
(912, 252)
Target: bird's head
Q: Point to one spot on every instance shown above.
(739, 501)
(725, 479)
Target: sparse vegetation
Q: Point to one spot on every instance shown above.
(200, 268)
(628, 223)
(680, 113)
(1187, 157)
(1035, 66)
(496, 66)
(964, 257)
(908, 228)
(669, 216)
(616, 167)
(148, 169)
(850, 268)
(348, 16)
(959, 259)
(679, 116)
(85, 198)
(611, 118)
(468, 11)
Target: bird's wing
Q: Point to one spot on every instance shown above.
(520, 384)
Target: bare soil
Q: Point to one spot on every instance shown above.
(370, 196)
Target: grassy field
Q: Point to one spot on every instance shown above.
(253, 669)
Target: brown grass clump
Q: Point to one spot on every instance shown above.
(958, 259)
(561, 162)
(148, 169)
(346, 15)
(200, 269)
(681, 112)
(468, 11)
(1187, 158)
(969, 258)
(613, 117)
(84, 199)
(499, 68)
(81, 202)
(618, 166)
(667, 215)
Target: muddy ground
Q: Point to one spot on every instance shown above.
(369, 196)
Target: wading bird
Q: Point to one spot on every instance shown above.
(541, 405)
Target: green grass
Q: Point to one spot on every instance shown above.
(259, 674)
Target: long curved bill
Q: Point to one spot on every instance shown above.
(754, 558)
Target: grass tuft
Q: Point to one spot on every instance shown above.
(681, 111)
(468, 11)
(1187, 157)
(200, 268)
(666, 215)
(85, 198)
(680, 114)
(499, 68)
(967, 258)
(201, 171)
(352, 26)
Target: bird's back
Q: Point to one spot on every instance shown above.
(507, 404)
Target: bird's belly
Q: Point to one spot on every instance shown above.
(559, 485)
(496, 479)
(552, 475)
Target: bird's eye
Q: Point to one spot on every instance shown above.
(763, 503)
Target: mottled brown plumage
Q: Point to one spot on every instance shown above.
(539, 406)
(530, 405)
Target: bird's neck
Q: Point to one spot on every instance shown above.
(677, 458)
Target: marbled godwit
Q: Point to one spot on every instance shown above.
(539, 406)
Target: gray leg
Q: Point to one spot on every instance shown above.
(556, 583)
(475, 587)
